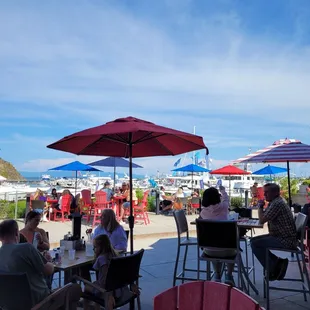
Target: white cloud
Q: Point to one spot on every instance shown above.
(105, 62)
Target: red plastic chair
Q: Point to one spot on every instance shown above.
(65, 209)
(241, 301)
(191, 296)
(167, 299)
(216, 296)
(140, 210)
(100, 204)
(86, 204)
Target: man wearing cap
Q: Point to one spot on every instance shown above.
(108, 190)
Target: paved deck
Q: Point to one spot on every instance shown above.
(159, 241)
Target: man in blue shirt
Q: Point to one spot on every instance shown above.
(108, 190)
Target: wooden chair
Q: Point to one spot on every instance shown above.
(140, 210)
(65, 209)
(167, 299)
(100, 204)
(241, 301)
(204, 296)
(86, 204)
(216, 296)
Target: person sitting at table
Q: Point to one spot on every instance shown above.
(126, 203)
(196, 193)
(104, 252)
(33, 234)
(179, 193)
(110, 227)
(215, 206)
(164, 201)
(282, 231)
(107, 190)
(254, 194)
(38, 195)
(24, 258)
(54, 194)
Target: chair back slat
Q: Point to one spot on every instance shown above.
(241, 301)
(101, 198)
(167, 300)
(66, 203)
(191, 296)
(86, 196)
(181, 221)
(123, 270)
(216, 296)
(18, 283)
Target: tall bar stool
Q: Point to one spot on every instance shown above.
(301, 223)
(186, 241)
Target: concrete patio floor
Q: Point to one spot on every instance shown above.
(160, 244)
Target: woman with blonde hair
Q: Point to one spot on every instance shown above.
(110, 227)
(39, 195)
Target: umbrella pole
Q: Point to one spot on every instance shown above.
(75, 182)
(229, 188)
(114, 176)
(289, 184)
(131, 217)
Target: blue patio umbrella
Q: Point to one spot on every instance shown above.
(75, 166)
(270, 170)
(192, 168)
(114, 162)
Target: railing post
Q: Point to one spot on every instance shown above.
(16, 204)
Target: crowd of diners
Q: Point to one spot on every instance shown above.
(18, 253)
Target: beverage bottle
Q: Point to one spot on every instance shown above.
(69, 236)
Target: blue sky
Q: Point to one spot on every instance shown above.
(237, 70)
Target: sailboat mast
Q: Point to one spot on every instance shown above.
(194, 153)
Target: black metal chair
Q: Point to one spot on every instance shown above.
(186, 241)
(218, 235)
(123, 271)
(244, 212)
(15, 294)
(301, 223)
(13, 285)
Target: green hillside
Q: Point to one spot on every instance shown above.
(8, 171)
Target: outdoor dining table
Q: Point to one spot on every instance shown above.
(118, 199)
(67, 265)
(246, 223)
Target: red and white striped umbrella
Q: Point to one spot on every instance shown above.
(284, 150)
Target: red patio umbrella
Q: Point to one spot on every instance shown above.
(229, 170)
(283, 150)
(129, 137)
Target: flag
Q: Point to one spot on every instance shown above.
(196, 158)
(177, 162)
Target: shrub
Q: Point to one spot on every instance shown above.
(151, 200)
(7, 209)
(236, 202)
(306, 182)
(139, 194)
(284, 187)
